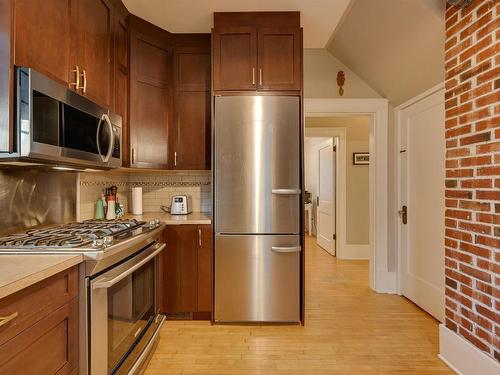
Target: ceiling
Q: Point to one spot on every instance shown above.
(319, 18)
(396, 46)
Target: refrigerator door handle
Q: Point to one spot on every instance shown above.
(286, 191)
(286, 249)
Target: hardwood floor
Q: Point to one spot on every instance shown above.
(349, 330)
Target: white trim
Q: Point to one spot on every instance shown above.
(421, 96)
(381, 280)
(463, 357)
(360, 252)
(398, 203)
(340, 186)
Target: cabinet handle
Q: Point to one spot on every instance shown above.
(260, 77)
(6, 319)
(133, 156)
(253, 76)
(199, 237)
(84, 81)
(77, 73)
(175, 158)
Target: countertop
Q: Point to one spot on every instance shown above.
(192, 218)
(19, 271)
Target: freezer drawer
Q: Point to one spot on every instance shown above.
(257, 278)
(257, 179)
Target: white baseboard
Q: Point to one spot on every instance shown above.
(355, 252)
(463, 357)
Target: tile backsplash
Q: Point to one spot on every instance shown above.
(157, 189)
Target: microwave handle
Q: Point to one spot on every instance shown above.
(105, 283)
(105, 118)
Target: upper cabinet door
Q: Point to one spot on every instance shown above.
(191, 133)
(92, 44)
(235, 58)
(279, 55)
(42, 37)
(150, 100)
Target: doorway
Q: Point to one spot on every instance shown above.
(320, 180)
(382, 258)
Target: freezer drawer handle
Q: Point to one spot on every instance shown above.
(286, 191)
(286, 249)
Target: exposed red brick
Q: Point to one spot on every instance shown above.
(490, 74)
(457, 152)
(474, 294)
(450, 173)
(476, 92)
(474, 227)
(478, 319)
(488, 99)
(457, 214)
(474, 272)
(483, 240)
(477, 138)
(488, 195)
(488, 148)
(475, 206)
(451, 203)
(476, 183)
(493, 122)
(459, 235)
(460, 277)
(474, 116)
(488, 313)
(476, 47)
(467, 194)
(489, 171)
(476, 250)
(488, 218)
(476, 160)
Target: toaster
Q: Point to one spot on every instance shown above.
(181, 205)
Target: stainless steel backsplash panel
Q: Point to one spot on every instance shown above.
(36, 197)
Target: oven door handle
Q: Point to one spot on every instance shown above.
(105, 283)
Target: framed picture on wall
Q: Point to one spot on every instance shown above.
(361, 158)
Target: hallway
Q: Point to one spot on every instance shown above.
(349, 330)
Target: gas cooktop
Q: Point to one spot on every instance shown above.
(91, 234)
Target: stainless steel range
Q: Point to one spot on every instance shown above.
(119, 314)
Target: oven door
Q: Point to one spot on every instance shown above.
(122, 308)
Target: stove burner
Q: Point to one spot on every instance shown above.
(71, 235)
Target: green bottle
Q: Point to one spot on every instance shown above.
(99, 209)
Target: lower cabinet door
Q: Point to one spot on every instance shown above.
(48, 347)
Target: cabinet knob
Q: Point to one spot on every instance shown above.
(133, 156)
(260, 77)
(253, 76)
(199, 237)
(175, 158)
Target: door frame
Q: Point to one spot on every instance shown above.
(340, 185)
(380, 278)
(398, 203)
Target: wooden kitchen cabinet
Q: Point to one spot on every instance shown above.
(234, 52)
(42, 30)
(121, 80)
(91, 48)
(188, 269)
(43, 337)
(191, 129)
(279, 57)
(150, 99)
(257, 51)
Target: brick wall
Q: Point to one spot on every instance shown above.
(473, 173)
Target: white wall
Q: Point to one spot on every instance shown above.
(320, 77)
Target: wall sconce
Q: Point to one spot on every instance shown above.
(341, 81)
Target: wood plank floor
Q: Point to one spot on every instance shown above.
(349, 330)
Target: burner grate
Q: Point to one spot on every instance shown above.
(70, 235)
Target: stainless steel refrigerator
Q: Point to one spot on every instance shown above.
(257, 208)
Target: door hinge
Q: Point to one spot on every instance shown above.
(335, 237)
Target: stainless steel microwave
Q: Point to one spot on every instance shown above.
(55, 125)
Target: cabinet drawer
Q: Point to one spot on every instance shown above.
(50, 346)
(36, 302)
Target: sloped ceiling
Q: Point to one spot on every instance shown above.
(396, 46)
(319, 18)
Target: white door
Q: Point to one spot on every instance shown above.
(422, 159)
(326, 198)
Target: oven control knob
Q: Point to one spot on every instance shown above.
(152, 223)
(157, 221)
(108, 240)
(99, 242)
